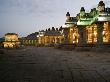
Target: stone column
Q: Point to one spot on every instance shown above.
(55, 39)
(66, 35)
(99, 33)
(109, 31)
(60, 39)
(82, 35)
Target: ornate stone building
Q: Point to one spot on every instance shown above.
(88, 28)
(11, 40)
(30, 40)
(50, 37)
(41, 39)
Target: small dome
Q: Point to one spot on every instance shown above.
(68, 14)
(82, 9)
(108, 10)
(101, 3)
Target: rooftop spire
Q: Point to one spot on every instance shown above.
(68, 14)
(82, 9)
(101, 3)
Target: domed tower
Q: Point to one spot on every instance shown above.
(67, 16)
(82, 12)
(101, 6)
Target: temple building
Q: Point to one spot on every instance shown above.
(41, 39)
(88, 28)
(30, 40)
(11, 40)
(70, 30)
(50, 37)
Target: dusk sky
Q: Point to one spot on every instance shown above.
(28, 16)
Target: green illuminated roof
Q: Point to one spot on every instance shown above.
(87, 20)
(84, 22)
(93, 16)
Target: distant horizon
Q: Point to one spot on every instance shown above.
(30, 32)
(28, 16)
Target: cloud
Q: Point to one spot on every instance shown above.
(107, 3)
(31, 15)
(29, 6)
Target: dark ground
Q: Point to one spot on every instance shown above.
(45, 64)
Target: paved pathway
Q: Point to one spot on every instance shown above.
(44, 64)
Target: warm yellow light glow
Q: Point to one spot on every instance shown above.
(73, 35)
(105, 32)
(11, 41)
(91, 33)
(71, 29)
(11, 38)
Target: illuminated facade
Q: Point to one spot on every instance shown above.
(41, 39)
(88, 28)
(11, 40)
(50, 37)
(70, 30)
(30, 40)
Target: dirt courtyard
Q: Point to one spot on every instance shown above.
(47, 64)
